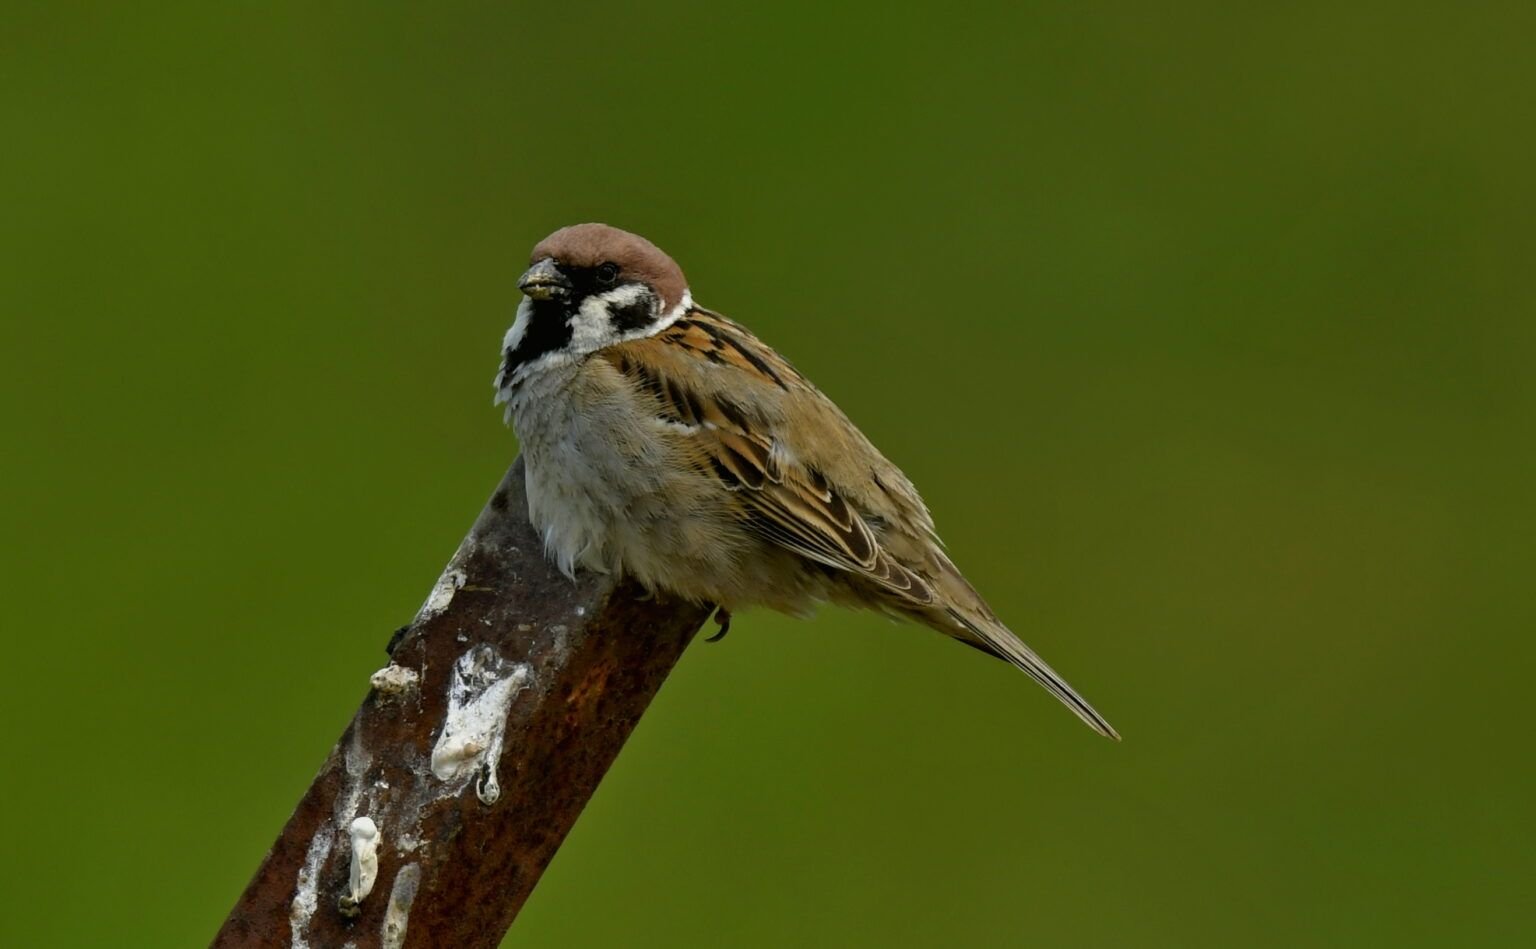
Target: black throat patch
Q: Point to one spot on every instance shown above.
(549, 330)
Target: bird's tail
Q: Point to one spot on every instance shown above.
(992, 637)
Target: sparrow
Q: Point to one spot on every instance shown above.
(665, 442)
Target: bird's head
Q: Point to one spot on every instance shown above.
(589, 286)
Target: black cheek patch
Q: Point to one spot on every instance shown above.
(633, 316)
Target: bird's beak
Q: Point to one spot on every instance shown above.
(544, 281)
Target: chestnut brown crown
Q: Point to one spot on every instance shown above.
(586, 246)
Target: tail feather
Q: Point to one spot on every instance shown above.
(995, 639)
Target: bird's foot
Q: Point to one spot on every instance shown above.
(723, 617)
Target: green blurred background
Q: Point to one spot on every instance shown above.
(1208, 333)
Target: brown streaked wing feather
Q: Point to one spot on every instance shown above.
(724, 342)
(791, 505)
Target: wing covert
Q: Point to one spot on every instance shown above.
(776, 496)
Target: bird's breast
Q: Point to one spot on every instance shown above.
(607, 489)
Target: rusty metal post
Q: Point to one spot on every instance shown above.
(504, 703)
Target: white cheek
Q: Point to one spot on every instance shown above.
(673, 315)
(519, 327)
(592, 326)
(514, 336)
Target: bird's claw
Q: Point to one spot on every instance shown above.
(723, 617)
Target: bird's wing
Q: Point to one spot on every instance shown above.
(802, 476)
(733, 399)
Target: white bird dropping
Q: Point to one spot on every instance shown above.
(365, 857)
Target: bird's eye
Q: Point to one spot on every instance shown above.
(607, 273)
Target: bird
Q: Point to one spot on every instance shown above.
(665, 442)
